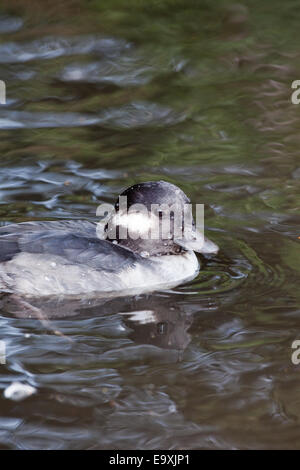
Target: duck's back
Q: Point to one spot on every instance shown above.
(46, 258)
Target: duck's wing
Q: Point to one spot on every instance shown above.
(73, 247)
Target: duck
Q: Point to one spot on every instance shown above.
(85, 258)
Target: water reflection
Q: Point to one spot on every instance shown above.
(53, 47)
(164, 324)
(134, 115)
(10, 24)
(197, 93)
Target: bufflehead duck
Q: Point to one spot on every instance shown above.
(77, 258)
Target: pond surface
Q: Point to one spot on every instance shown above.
(198, 94)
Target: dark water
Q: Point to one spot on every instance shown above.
(196, 93)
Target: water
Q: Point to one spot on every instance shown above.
(99, 98)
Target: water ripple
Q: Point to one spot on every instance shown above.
(133, 115)
(53, 47)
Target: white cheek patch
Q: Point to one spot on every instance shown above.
(136, 225)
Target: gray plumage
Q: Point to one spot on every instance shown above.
(75, 241)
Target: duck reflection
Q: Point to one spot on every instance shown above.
(162, 320)
(163, 324)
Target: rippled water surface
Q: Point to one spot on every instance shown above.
(101, 95)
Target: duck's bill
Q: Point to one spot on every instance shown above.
(196, 241)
